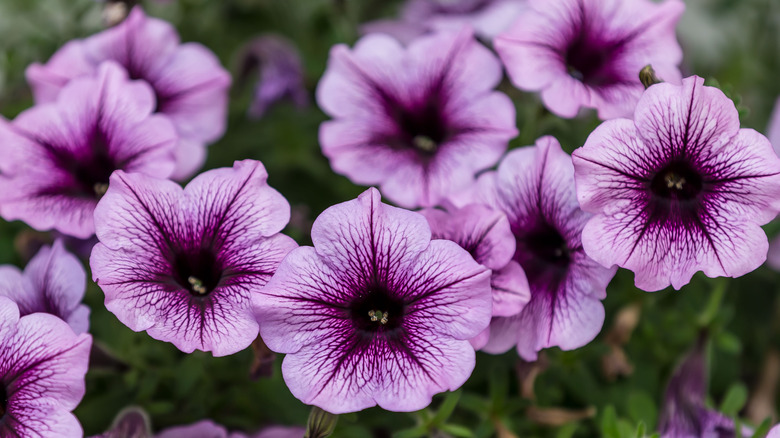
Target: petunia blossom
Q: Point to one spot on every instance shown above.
(182, 264)
(419, 121)
(679, 189)
(773, 133)
(200, 429)
(42, 368)
(190, 85)
(487, 17)
(210, 429)
(534, 187)
(485, 234)
(588, 53)
(53, 282)
(375, 313)
(684, 413)
(279, 68)
(57, 157)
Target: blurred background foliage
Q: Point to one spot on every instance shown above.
(612, 387)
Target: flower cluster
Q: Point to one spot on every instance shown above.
(389, 305)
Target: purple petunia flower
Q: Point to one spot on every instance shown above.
(280, 73)
(183, 263)
(684, 413)
(57, 157)
(419, 121)
(200, 429)
(588, 53)
(487, 17)
(190, 85)
(534, 186)
(486, 235)
(679, 189)
(773, 133)
(53, 282)
(210, 429)
(42, 368)
(376, 312)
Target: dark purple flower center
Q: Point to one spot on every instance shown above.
(544, 255)
(377, 310)
(90, 171)
(590, 60)
(678, 181)
(423, 128)
(3, 401)
(197, 271)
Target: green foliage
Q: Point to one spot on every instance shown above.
(740, 315)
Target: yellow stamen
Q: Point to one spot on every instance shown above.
(197, 285)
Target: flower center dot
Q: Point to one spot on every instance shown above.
(424, 144)
(378, 316)
(198, 271)
(100, 189)
(197, 285)
(678, 180)
(370, 311)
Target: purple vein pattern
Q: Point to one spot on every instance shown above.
(684, 413)
(485, 234)
(375, 313)
(419, 121)
(182, 264)
(534, 187)
(190, 85)
(678, 189)
(588, 53)
(57, 157)
(488, 18)
(53, 282)
(42, 368)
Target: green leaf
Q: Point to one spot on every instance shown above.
(728, 343)
(763, 428)
(609, 423)
(641, 430)
(457, 430)
(567, 430)
(734, 400)
(642, 408)
(446, 408)
(415, 432)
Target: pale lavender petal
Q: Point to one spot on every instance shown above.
(418, 121)
(201, 429)
(182, 264)
(680, 190)
(510, 290)
(588, 53)
(534, 187)
(42, 368)
(55, 284)
(375, 313)
(281, 432)
(65, 151)
(773, 131)
(189, 84)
